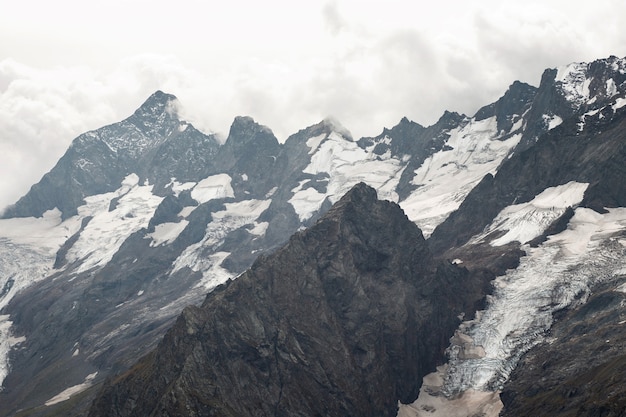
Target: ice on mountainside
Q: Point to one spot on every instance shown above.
(166, 233)
(619, 103)
(28, 246)
(473, 150)
(557, 274)
(7, 342)
(27, 253)
(523, 222)
(344, 164)
(551, 277)
(110, 226)
(199, 256)
(611, 88)
(574, 82)
(600, 112)
(552, 121)
(213, 187)
(178, 187)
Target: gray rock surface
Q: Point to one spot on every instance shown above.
(344, 320)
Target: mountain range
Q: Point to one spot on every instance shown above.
(473, 267)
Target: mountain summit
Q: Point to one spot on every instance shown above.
(97, 161)
(498, 240)
(355, 284)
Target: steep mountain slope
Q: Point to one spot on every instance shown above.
(562, 202)
(359, 284)
(143, 217)
(580, 370)
(116, 281)
(99, 160)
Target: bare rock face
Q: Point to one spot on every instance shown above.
(344, 320)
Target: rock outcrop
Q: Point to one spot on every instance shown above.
(344, 320)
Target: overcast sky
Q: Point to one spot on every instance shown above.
(69, 66)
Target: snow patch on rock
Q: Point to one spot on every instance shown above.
(112, 224)
(524, 222)
(67, 393)
(212, 188)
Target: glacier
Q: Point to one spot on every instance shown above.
(27, 253)
(345, 164)
(473, 150)
(556, 275)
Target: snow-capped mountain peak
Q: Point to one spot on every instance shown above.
(142, 217)
(591, 83)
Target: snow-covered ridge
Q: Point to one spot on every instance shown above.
(343, 164)
(523, 222)
(472, 151)
(150, 126)
(134, 206)
(575, 80)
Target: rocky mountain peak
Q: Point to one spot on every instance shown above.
(245, 127)
(157, 103)
(245, 133)
(567, 90)
(97, 161)
(336, 311)
(157, 117)
(509, 108)
(361, 197)
(589, 84)
(352, 284)
(450, 119)
(404, 127)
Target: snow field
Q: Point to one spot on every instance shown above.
(199, 257)
(107, 230)
(523, 222)
(213, 187)
(445, 178)
(556, 275)
(346, 165)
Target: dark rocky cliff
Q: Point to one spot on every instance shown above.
(344, 320)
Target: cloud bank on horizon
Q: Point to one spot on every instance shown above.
(75, 66)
